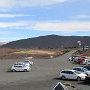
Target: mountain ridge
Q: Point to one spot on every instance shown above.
(49, 41)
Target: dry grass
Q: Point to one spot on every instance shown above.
(85, 53)
(6, 53)
(36, 52)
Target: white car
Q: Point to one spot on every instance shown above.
(20, 67)
(70, 58)
(72, 74)
(73, 58)
(87, 62)
(84, 62)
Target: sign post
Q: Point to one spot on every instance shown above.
(79, 43)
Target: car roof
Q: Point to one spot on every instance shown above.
(19, 63)
(69, 70)
(78, 67)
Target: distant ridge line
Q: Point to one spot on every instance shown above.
(49, 41)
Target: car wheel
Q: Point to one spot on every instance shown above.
(63, 77)
(13, 70)
(25, 70)
(78, 79)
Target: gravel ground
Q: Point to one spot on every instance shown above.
(43, 76)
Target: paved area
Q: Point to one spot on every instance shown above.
(43, 76)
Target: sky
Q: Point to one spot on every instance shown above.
(22, 19)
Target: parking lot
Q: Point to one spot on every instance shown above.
(43, 76)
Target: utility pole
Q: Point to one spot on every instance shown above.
(79, 44)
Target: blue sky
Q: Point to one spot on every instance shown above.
(21, 19)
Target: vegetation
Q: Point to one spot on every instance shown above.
(85, 53)
(8, 53)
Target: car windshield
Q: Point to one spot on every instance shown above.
(84, 69)
(18, 66)
(27, 61)
(87, 67)
(77, 72)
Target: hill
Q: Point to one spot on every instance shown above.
(49, 41)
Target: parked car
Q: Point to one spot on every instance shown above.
(70, 58)
(87, 67)
(20, 67)
(88, 62)
(81, 60)
(75, 58)
(84, 62)
(82, 69)
(72, 74)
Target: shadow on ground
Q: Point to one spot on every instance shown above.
(84, 83)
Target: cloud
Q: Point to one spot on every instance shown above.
(65, 26)
(82, 16)
(62, 26)
(12, 15)
(4, 32)
(13, 4)
(11, 24)
(6, 4)
(29, 3)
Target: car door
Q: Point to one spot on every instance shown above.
(19, 68)
(67, 74)
(72, 75)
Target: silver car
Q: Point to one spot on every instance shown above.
(82, 69)
(20, 67)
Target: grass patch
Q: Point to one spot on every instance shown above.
(36, 52)
(8, 53)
